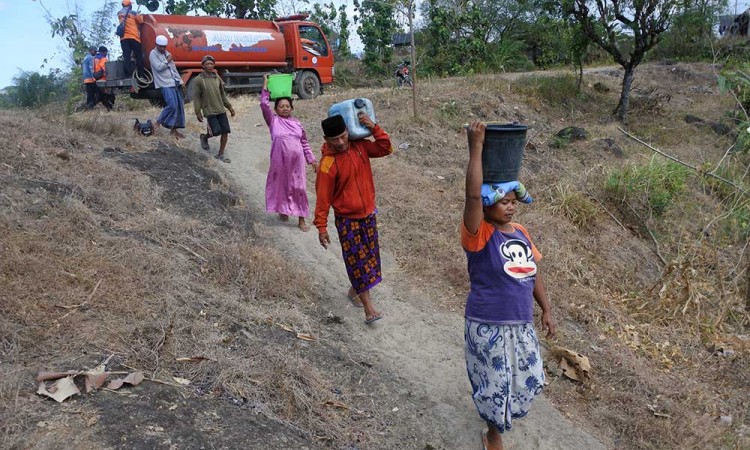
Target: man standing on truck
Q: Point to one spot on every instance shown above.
(100, 73)
(167, 79)
(210, 100)
(130, 41)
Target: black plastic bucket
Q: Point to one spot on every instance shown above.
(502, 154)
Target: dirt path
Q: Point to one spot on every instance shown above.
(422, 346)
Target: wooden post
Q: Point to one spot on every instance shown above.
(413, 59)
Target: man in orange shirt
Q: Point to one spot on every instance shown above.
(345, 183)
(100, 74)
(131, 39)
(88, 78)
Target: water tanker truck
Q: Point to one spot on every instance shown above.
(244, 51)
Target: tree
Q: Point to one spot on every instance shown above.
(691, 34)
(639, 23)
(472, 36)
(78, 33)
(239, 9)
(325, 16)
(376, 28)
(334, 23)
(458, 37)
(32, 89)
(344, 49)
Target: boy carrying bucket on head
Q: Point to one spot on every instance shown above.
(501, 346)
(211, 101)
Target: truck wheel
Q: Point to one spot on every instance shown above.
(308, 85)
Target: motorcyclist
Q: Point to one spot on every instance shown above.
(402, 72)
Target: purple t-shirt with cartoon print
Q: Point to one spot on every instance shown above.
(502, 271)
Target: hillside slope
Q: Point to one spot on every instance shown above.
(139, 252)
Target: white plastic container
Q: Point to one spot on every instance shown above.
(349, 109)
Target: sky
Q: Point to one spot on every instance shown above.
(24, 28)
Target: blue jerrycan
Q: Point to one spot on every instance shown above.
(349, 110)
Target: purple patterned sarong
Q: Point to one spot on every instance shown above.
(359, 246)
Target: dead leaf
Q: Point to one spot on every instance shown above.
(133, 379)
(286, 328)
(306, 337)
(116, 384)
(60, 389)
(574, 365)
(95, 380)
(569, 370)
(182, 381)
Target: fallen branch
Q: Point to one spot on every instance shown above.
(91, 295)
(695, 168)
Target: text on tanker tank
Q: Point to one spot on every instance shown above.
(216, 48)
(229, 39)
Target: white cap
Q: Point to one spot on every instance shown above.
(161, 40)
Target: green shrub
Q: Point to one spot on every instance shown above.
(32, 89)
(575, 206)
(559, 141)
(736, 226)
(653, 186)
(449, 110)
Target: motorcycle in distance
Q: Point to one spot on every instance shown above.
(402, 74)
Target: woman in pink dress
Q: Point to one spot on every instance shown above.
(286, 185)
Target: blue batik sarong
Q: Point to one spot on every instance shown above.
(173, 114)
(505, 370)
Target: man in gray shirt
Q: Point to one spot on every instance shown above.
(167, 79)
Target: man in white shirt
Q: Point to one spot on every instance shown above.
(168, 80)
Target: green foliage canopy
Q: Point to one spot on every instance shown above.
(468, 37)
(376, 27)
(32, 89)
(238, 9)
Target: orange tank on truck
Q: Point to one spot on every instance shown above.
(232, 42)
(245, 49)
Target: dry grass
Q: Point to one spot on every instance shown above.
(153, 285)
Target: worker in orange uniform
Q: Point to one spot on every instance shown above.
(100, 74)
(88, 78)
(130, 41)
